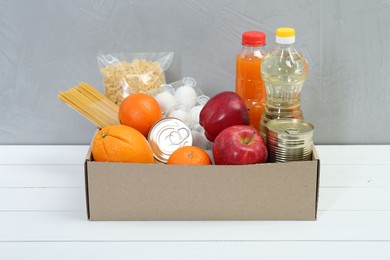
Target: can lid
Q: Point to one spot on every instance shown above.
(253, 38)
(167, 135)
(290, 127)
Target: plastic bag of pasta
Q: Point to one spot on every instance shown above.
(126, 73)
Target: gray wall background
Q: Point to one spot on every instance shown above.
(49, 46)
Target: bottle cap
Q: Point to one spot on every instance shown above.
(285, 35)
(253, 38)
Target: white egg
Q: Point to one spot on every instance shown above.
(200, 140)
(197, 139)
(180, 114)
(195, 112)
(166, 101)
(186, 96)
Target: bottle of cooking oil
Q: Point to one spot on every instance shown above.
(284, 71)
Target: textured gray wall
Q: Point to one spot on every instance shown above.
(48, 46)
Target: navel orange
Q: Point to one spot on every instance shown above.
(189, 155)
(120, 143)
(140, 111)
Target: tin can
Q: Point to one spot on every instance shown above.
(167, 135)
(289, 140)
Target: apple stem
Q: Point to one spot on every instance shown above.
(248, 140)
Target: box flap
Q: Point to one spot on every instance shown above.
(88, 159)
(317, 158)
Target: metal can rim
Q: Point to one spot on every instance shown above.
(161, 152)
(270, 126)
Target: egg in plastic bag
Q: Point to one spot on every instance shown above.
(184, 100)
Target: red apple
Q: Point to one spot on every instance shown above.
(239, 144)
(221, 111)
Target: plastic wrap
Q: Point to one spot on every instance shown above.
(126, 73)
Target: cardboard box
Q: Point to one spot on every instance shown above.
(272, 191)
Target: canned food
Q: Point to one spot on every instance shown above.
(289, 140)
(167, 135)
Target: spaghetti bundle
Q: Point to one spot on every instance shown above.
(90, 103)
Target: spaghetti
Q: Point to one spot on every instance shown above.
(90, 103)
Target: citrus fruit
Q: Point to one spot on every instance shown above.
(189, 155)
(139, 111)
(120, 143)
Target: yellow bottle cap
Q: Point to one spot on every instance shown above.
(285, 32)
(285, 35)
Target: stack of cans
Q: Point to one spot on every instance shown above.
(289, 140)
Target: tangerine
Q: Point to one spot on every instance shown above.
(120, 143)
(140, 111)
(189, 155)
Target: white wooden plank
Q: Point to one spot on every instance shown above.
(196, 250)
(354, 154)
(41, 176)
(65, 199)
(43, 154)
(48, 199)
(73, 226)
(355, 176)
(354, 199)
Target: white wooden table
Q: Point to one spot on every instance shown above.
(43, 216)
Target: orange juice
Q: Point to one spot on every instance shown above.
(249, 84)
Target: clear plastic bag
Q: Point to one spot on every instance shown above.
(126, 73)
(181, 95)
(184, 100)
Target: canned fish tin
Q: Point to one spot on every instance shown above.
(167, 135)
(289, 140)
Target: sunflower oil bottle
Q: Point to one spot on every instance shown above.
(283, 70)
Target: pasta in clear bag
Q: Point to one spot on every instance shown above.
(126, 73)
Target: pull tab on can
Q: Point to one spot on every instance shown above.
(167, 135)
(289, 140)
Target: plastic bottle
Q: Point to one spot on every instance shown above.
(284, 71)
(249, 84)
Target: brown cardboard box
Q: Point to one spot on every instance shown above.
(272, 191)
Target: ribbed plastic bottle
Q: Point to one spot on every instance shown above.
(284, 71)
(249, 84)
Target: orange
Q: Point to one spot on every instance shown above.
(139, 111)
(120, 143)
(189, 155)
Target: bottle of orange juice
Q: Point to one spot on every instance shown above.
(249, 84)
